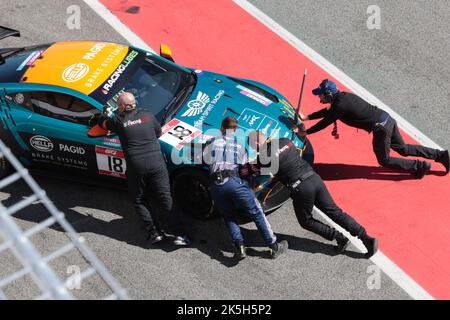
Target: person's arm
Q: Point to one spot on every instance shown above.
(332, 115)
(157, 127)
(318, 114)
(108, 123)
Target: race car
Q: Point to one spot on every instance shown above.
(52, 95)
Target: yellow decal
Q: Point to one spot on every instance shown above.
(82, 66)
(288, 107)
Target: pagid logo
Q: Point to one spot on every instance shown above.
(196, 106)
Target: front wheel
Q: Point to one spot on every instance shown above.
(191, 191)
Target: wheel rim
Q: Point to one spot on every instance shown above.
(193, 196)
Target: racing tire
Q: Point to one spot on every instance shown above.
(190, 187)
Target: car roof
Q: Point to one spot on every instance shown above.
(89, 67)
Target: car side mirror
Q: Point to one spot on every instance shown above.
(165, 52)
(97, 131)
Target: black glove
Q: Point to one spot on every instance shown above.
(102, 119)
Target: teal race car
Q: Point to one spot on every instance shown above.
(51, 96)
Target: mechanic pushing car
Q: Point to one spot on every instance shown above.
(355, 112)
(147, 174)
(226, 158)
(307, 189)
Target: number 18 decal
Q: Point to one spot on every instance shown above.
(176, 133)
(111, 162)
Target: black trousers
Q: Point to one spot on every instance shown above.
(313, 192)
(154, 184)
(388, 137)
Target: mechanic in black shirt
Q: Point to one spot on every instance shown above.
(307, 190)
(147, 174)
(355, 112)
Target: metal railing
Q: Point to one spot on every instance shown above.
(34, 264)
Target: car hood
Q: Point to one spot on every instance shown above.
(217, 96)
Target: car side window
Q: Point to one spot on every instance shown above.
(63, 107)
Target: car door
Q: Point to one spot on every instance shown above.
(57, 136)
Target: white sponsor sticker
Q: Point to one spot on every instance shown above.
(111, 162)
(254, 95)
(176, 133)
(41, 143)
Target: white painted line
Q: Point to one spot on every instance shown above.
(114, 22)
(388, 267)
(335, 72)
(382, 261)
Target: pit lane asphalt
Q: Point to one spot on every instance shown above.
(203, 271)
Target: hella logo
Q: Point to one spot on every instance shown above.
(41, 143)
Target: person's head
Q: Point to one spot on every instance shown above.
(256, 139)
(229, 123)
(126, 102)
(326, 91)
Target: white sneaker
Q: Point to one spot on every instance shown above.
(181, 241)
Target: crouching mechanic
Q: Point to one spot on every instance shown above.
(307, 189)
(147, 174)
(355, 112)
(230, 193)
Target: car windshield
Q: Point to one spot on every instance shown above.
(155, 85)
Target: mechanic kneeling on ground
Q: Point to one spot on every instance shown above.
(225, 157)
(307, 189)
(147, 174)
(355, 112)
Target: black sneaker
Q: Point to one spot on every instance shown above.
(444, 159)
(155, 236)
(278, 248)
(423, 170)
(240, 252)
(342, 243)
(371, 245)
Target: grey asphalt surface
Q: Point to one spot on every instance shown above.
(405, 63)
(205, 270)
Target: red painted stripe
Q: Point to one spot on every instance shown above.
(411, 218)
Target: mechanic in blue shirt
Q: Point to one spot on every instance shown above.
(147, 175)
(355, 112)
(226, 158)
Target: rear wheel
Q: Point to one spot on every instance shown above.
(191, 191)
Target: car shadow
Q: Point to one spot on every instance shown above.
(108, 212)
(341, 171)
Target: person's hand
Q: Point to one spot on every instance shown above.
(302, 134)
(303, 117)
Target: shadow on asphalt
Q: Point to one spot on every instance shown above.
(341, 171)
(108, 212)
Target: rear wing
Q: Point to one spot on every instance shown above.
(7, 32)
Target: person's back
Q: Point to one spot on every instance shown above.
(139, 131)
(291, 165)
(356, 112)
(146, 173)
(225, 156)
